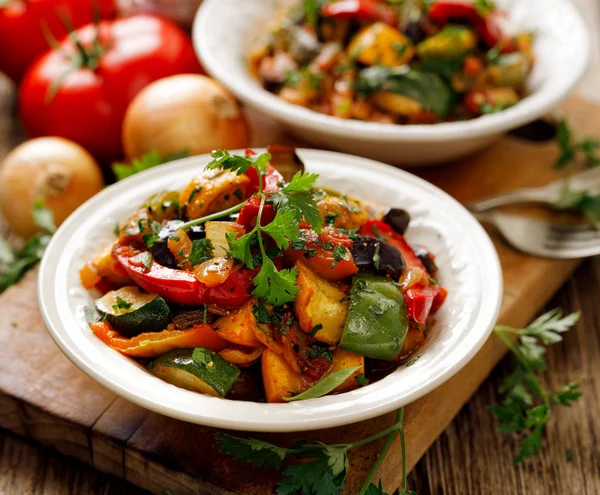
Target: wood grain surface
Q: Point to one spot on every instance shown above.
(469, 457)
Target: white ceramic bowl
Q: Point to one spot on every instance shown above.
(225, 29)
(469, 268)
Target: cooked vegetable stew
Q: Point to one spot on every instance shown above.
(252, 286)
(394, 61)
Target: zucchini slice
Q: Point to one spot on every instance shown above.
(199, 370)
(132, 311)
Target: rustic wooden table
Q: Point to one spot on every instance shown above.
(471, 456)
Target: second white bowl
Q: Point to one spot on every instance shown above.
(224, 30)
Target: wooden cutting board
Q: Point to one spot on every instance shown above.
(46, 398)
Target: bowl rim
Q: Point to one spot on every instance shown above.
(528, 109)
(314, 414)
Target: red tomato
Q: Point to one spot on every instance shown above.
(86, 100)
(322, 260)
(21, 35)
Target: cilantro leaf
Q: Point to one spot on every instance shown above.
(297, 196)
(239, 249)
(314, 478)
(526, 407)
(283, 229)
(567, 394)
(236, 163)
(375, 490)
(549, 326)
(202, 250)
(256, 452)
(340, 253)
(531, 445)
(275, 287)
(145, 162)
(43, 217)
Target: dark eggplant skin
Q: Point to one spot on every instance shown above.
(426, 259)
(398, 219)
(376, 256)
(160, 249)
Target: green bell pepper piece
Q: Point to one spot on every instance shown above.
(377, 321)
(450, 43)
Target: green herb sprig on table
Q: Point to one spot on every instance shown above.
(571, 149)
(526, 407)
(327, 466)
(145, 162)
(14, 265)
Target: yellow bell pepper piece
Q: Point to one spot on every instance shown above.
(381, 44)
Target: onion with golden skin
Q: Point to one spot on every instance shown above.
(184, 112)
(58, 171)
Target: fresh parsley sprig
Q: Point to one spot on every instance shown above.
(526, 407)
(327, 467)
(15, 264)
(293, 203)
(145, 162)
(571, 148)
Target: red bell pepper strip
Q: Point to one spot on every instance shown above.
(443, 12)
(272, 180)
(367, 10)
(154, 344)
(181, 287)
(249, 212)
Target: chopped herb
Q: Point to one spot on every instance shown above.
(340, 253)
(121, 304)
(147, 260)
(376, 255)
(311, 253)
(175, 238)
(299, 245)
(327, 246)
(330, 218)
(150, 240)
(202, 358)
(194, 192)
(362, 380)
(117, 230)
(412, 361)
(378, 234)
(315, 329)
(569, 455)
(238, 194)
(261, 313)
(202, 250)
(317, 350)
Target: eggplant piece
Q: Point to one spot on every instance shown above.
(426, 259)
(160, 249)
(415, 32)
(398, 219)
(376, 256)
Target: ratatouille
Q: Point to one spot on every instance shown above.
(394, 61)
(252, 283)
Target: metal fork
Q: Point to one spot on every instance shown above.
(545, 239)
(546, 195)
